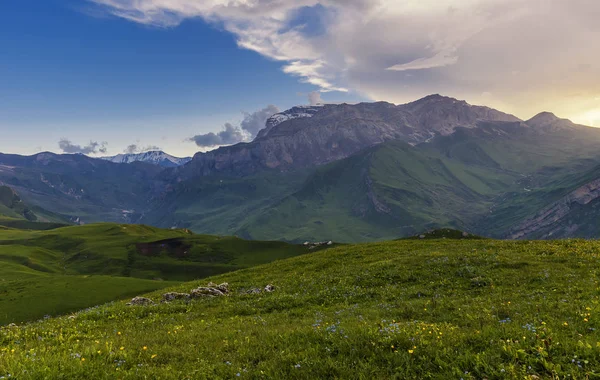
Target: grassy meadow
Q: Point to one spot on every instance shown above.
(52, 272)
(407, 309)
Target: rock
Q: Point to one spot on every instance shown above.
(224, 287)
(465, 234)
(212, 285)
(421, 236)
(172, 296)
(206, 292)
(140, 301)
(329, 242)
(253, 291)
(269, 288)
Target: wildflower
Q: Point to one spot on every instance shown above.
(118, 333)
(585, 319)
(122, 348)
(82, 359)
(565, 324)
(99, 352)
(153, 356)
(411, 351)
(144, 348)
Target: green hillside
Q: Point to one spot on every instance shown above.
(65, 269)
(484, 180)
(11, 205)
(410, 309)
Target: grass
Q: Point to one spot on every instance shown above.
(405, 309)
(66, 269)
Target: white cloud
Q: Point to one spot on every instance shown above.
(531, 54)
(314, 98)
(94, 147)
(230, 134)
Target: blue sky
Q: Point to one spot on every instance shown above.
(159, 72)
(66, 72)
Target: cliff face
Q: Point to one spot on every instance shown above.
(309, 136)
(552, 219)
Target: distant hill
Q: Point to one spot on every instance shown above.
(81, 188)
(159, 158)
(11, 205)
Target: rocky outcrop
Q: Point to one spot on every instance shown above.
(293, 113)
(140, 301)
(172, 296)
(211, 290)
(334, 132)
(552, 215)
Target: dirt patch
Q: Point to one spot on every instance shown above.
(172, 247)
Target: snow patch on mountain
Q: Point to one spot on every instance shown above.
(153, 157)
(293, 113)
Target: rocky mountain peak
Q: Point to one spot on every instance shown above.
(293, 113)
(549, 120)
(543, 118)
(305, 136)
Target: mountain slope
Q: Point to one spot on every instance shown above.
(79, 187)
(335, 132)
(485, 179)
(12, 206)
(159, 158)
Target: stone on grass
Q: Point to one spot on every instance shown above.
(140, 301)
(206, 292)
(172, 296)
(269, 288)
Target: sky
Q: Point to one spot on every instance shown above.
(104, 77)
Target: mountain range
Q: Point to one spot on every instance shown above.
(361, 172)
(155, 157)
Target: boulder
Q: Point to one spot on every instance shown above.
(253, 291)
(269, 288)
(224, 287)
(140, 301)
(206, 292)
(172, 296)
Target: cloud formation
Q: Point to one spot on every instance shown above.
(227, 136)
(524, 55)
(230, 134)
(314, 98)
(134, 148)
(92, 148)
(255, 121)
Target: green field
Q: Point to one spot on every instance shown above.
(52, 272)
(407, 309)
